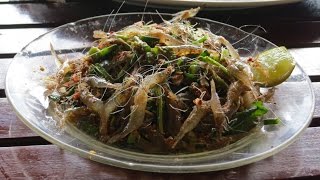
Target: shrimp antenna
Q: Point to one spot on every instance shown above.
(105, 24)
(114, 17)
(165, 21)
(144, 9)
(249, 33)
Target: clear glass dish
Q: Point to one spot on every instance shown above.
(25, 91)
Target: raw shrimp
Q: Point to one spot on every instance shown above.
(197, 113)
(140, 102)
(218, 114)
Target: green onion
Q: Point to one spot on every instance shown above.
(205, 53)
(271, 121)
(247, 119)
(201, 40)
(224, 54)
(98, 54)
(193, 68)
(93, 52)
(143, 44)
(107, 50)
(189, 76)
(209, 60)
(98, 70)
(155, 50)
(54, 97)
(151, 41)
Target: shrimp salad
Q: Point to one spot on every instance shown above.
(160, 88)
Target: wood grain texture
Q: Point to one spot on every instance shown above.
(4, 65)
(285, 25)
(57, 13)
(10, 125)
(49, 162)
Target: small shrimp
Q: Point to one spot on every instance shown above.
(120, 97)
(185, 14)
(234, 54)
(174, 107)
(140, 102)
(219, 118)
(233, 98)
(100, 83)
(92, 102)
(105, 109)
(198, 112)
(165, 38)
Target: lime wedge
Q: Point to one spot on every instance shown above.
(272, 67)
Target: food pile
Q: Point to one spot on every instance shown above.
(165, 88)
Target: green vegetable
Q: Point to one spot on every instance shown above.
(224, 54)
(94, 52)
(98, 70)
(151, 41)
(98, 54)
(155, 50)
(180, 61)
(88, 127)
(143, 44)
(271, 121)
(201, 40)
(205, 53)
(247, 119)
(150, 57)
(210, 60)
(194, 68)
(107, 50)
(189, 76)
(54, 97)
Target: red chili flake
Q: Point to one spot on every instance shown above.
(75, 78)
(76, 96)
(250, 60)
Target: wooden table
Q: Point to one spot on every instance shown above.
(24, 155)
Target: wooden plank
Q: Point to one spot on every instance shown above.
(57, 13)
(316, 89)
(4, 65)
(309, 60)
(284, 27)
(13, 40)
(10, 125)
(49, 162)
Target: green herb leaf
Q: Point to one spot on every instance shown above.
(247, 119)
(271, 121)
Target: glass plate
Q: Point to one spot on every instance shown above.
(25, 91)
